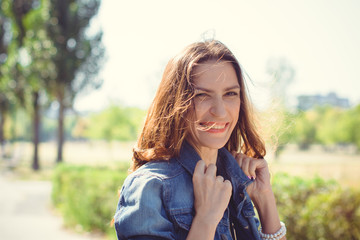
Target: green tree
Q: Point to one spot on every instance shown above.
(4, 96)
(351, 125)
(332, 129)
(12, 82)
(33, 68)
(337, 126)
(305, 128)
(78, 56)
(41, 70)
(115, 123)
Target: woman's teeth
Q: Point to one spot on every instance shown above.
(213, 126)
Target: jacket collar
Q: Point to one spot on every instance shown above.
(226, 163)
(231, 169)
(228, 168)
(188, 157)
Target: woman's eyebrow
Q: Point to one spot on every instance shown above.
(209, 90)
(232, 88)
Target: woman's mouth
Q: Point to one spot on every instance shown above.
(213, 127)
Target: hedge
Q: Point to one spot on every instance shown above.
(311, 208)
(317, 209)
(87, 196)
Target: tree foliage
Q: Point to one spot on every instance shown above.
(4, 98)
(46, 53)
(115, 123)
(29, 60)
(78, 56)
(322, 125)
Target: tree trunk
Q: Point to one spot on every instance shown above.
(60, 135)
(36, 129)
(13, 113)
(2, 138)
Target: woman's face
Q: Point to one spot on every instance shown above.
(216, 104)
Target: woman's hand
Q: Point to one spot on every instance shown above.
(212, 193)
(260, 191)
(257, 169)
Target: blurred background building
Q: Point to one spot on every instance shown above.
(306, 102)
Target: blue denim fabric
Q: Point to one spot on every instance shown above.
(157, 200)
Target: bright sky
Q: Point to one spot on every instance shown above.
(319, 38)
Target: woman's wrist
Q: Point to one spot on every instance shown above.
(202, 228)
(279, 235)
(265, 204)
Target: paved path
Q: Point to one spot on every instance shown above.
(25, 213)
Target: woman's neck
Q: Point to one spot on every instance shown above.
(209, 155)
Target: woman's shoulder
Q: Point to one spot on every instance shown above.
(143, 196)
(161, 169)
(157, 172)
(157, 190)
(155, 179)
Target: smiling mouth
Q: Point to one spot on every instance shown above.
(208, 126)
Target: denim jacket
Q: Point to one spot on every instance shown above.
(157, 200)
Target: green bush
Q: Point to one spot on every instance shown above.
(317, 209)
(334, 215)
(324, 125)
(87, 196)
(311, 208)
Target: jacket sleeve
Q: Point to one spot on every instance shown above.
(140, 213)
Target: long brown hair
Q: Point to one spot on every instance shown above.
(165, 127)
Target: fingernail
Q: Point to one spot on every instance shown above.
(249, 177)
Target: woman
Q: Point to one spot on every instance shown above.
(198, 164)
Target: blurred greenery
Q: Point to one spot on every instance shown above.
(114, 123)
(327, 126)
(44, 58)
(317, 209)
(324, 125)
(311, 208)
(87, 196)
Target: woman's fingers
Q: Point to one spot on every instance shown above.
(249, 165)
(212, 194)
(211, 171)
(220, 179)
(200, 167)
(257, 169)
(227, 188)
(239, 158)
(253, 165)
(245, 168)
(244, 163)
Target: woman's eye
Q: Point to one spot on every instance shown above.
(232, 94)
(200, 95)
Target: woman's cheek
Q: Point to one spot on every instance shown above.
(201, 107)
(236, 104)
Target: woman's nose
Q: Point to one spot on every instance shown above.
(218, 108)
